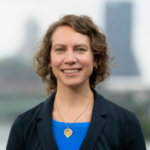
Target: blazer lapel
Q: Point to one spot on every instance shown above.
(97, 123)
(44, 125)
(93, 133)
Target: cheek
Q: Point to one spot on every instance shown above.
(87, 61)
(55, 66)
(56, 61)
(88, 65)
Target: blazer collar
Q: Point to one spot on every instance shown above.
(99, 104)
(96, 125)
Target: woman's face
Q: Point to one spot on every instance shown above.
(71, 57)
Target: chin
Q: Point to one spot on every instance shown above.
(73, 85)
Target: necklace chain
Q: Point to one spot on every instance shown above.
(77, 117)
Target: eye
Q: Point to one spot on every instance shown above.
(80, 49)
(59, 49)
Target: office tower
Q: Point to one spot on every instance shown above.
(118, 23)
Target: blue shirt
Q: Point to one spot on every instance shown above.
(75, 140)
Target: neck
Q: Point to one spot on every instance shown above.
(73, 98)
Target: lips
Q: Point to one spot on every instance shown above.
(71, 70)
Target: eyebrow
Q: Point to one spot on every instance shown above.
(78, 45)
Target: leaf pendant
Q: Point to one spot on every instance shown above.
(68, 132)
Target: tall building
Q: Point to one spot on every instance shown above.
(118, 23)
(31, 38)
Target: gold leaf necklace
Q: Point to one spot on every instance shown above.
(68, 132)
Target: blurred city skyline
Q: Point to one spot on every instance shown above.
(126, 24)
(15, 17)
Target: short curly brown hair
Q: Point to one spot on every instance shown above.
(82, 24)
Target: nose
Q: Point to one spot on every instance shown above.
(70, 57)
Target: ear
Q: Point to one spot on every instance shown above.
(50, 65)
(94, 64)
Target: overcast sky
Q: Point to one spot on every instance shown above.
(14, 14)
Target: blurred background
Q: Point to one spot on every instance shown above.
(126, 24)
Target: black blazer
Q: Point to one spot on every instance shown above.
(111, 128)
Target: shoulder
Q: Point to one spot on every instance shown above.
(119, 113)
(32, 116)
(27, 117)
(123, 119)
(114, 109)
(32, 113)
(23, 125)
(127, 123)
(108, 108)
(116, 114)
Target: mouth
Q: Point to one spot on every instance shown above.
(71, 71)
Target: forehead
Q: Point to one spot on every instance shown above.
(67, 35)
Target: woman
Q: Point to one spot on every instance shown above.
(72, 59)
